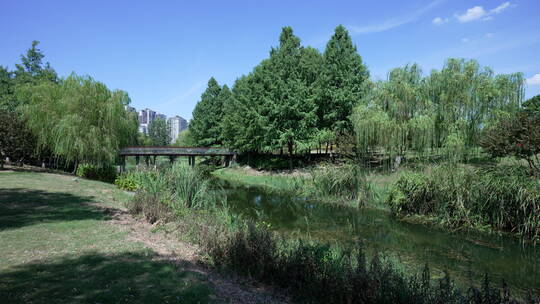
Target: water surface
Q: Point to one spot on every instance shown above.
(463, 254)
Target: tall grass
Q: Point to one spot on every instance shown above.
(311, 272)
(501, 197)
(347, 182)
(319, 273)
(173, 189)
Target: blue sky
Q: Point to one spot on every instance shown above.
(163, 52)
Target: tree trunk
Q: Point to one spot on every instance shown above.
(75, 167)
(290, 148)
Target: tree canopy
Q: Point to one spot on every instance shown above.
(294, 99)
(159, 132)
(79, 119)
(446, 110)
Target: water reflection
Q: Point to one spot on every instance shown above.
(462, 253)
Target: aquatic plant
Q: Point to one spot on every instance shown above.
(502, 197)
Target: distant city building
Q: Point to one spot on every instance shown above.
(176, 124)
(146, 117)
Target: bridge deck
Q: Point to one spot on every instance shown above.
(175, 151)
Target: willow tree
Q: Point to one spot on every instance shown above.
(79, 119)
(467, 96)
(395, 116)
(446, 110)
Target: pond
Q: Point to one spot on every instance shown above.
(464, 254)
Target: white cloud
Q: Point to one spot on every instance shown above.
(534, 80)
(395, 22)
(439, 21)
(500, 8)
(490, 35)
(472, 14)
(465, 40)
(479, 13)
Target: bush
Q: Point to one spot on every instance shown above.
(128, 181)
(346, 182)
(504, 198)
(188, 187)
(152, 197)
(517, 136)
(169, 190)
(102, 173)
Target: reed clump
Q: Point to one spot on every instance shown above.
(503, 198)
(320, 273)
(171, 190)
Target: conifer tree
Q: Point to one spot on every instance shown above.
(207, 116)
(292, 116)
(341, 84)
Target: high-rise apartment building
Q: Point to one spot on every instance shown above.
(176, 125)
(146, 117)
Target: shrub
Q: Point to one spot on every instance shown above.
(127, 181)
(188, 187)
(504, 198)
(169, 190)
(152, 197)
(347, 182)
(517, 136)
(101, 173)
(311, 272)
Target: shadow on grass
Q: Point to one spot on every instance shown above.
(140, 277)
(21, 207)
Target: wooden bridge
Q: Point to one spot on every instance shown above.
(173, 153)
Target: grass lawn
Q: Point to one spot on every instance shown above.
(57, 245)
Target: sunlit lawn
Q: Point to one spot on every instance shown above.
(57, 246)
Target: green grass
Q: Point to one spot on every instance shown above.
(57, 246)
(379, 184)
(277, 182)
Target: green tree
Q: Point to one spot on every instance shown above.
(290, 107)
(7, 94)
(532, 106)
(274, 106)
(185, 139)
(207, 116)
(16, 142)
(32, 67)
(30, 71)
(159, 132)
(243, 124)
(79, 119)
(341, 84)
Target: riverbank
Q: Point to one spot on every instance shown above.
(245, 236)
(374, 187)
(71, 240)
(417, 200)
